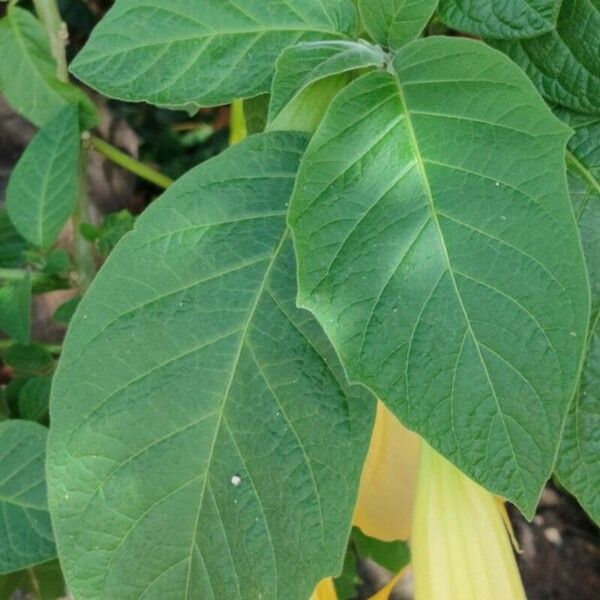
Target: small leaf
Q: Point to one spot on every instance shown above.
(393, 23)
(577, 466)
(303, 64)
(57, 262)
(242, 481)
(500, 19)
(15, 309)
(255, 112)
(25, 530)
(42, 191)
(564, 64)
(12, 245)
(203, 54)
(32, 359)
(394, 556)
(437, 247)
(65, 311)
(34, 398)
(349, 579)
(28, 73)
(114, 227)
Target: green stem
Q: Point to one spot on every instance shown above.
(130, 164)
(49, 15)
(18, 274)
(35, 584)
(52, 348)
(84, 255)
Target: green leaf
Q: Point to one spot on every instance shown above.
(34, 398)
(302, 65)
(114, 227)
(394, 556)
(32, 359)
(28, 72)
(42, 191)
(347, 582)
(577, 466)
(203, 54)
(255, 113)
(42, 582)
(501, 19)
(57, 262)
(15, 309)
(437, 247)
(25, 529)
(565, 63)
(243, 479)
(393, 23)
(65, 311)
(12, 245)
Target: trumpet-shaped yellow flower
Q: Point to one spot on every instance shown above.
(389, 480)
(325, 591)
(460, 547)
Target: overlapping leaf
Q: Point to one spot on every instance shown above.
(501, 19)
(201, 53)
(43, 187)
(565, 63)
(28, 72)
(202, 435)
(437, 247)
(393, 23)
(304, 64)
(25, 530)
(578, 460)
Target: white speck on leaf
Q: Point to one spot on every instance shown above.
(236, 480)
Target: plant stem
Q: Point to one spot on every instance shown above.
(18, 274)
(35, 584)
(47, 11)
(130, 164)
(49, 15)
(84, 258)
(52, 348)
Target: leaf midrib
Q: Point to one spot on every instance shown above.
(421, 166)
(234, 367)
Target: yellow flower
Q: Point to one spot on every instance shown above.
(325, 591)
(389, 480)
(461, 549)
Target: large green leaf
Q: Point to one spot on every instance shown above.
(578, 460)
(565, 63)
(302, 65)
(179, 53)
(203, 442)
(25, 530)
(43, 187)
(437, 247)
(28, 72)
(393, 23)
(501, 19)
